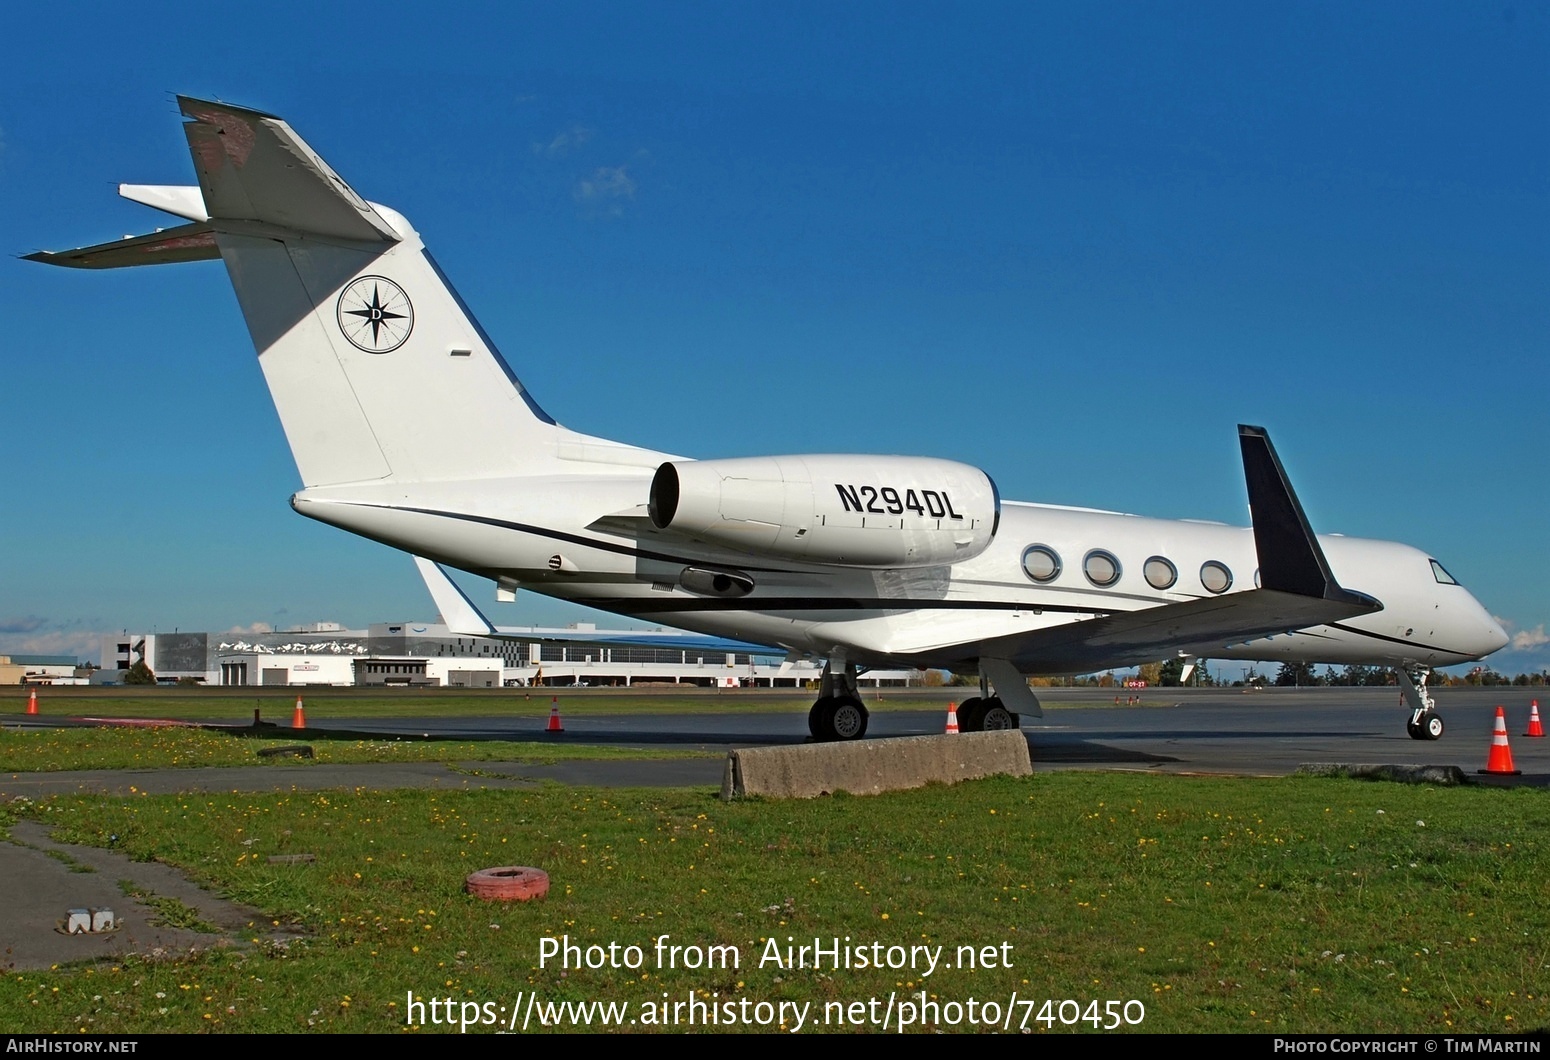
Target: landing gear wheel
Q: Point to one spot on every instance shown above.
(994, 716)
(837, 718)
(847, 719)
(971, 715)
(1427, 725)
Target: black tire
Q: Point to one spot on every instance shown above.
(994, 716)
(971, 715)
(1415, 730)
(846, 719)
(816, 719)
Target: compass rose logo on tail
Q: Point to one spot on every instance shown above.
(375, 314)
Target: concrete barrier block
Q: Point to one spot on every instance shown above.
(77, 921)
(869, 767)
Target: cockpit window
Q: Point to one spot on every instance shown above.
(1442, 576)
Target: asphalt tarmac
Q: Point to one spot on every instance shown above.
(1200, 731)
(1188, 731)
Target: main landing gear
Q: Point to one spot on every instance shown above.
(985, 712)
(839, 713)
(1424, 722)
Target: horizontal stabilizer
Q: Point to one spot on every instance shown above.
(253, 167)
(194, 242)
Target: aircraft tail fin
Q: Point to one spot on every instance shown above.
(377, 368)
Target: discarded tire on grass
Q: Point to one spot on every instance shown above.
(512, 883)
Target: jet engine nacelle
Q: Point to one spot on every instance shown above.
(858, 511)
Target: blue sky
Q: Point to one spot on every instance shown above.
(1071, 244)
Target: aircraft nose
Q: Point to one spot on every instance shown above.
(1495, 636)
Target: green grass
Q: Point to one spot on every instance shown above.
(69, 862)
(1223, 905)
(35, 750)
(169, 911)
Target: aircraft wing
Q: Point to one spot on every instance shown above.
(1195, 627)
(1297, 590)
(464, 619)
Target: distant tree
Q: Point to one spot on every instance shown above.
(139, 674)
(1202, 678)
(1169, 673)
(1296, 674)
(1354, 674)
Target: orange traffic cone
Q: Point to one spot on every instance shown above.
(554, 716)
(1535, 726)
(298, 716)
(952, 720)
(1500, 760)
(32, 702)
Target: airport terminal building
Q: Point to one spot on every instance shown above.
(424, 654)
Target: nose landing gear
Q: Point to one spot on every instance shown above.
(1424, 722)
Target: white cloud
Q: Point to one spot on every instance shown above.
(607, 190)
(81, 643)
(564, 143)
(21, 624)
(248, 630)
(1528, 639)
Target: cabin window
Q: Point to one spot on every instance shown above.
(1215, 576)
(1101, 568)
(1160, 573)
(1442, 576)
(1041, 563)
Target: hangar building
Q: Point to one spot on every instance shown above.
(429, 654)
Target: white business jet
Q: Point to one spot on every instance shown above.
(409, 428)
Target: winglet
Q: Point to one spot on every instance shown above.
(457, 610)
(1290, 559)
